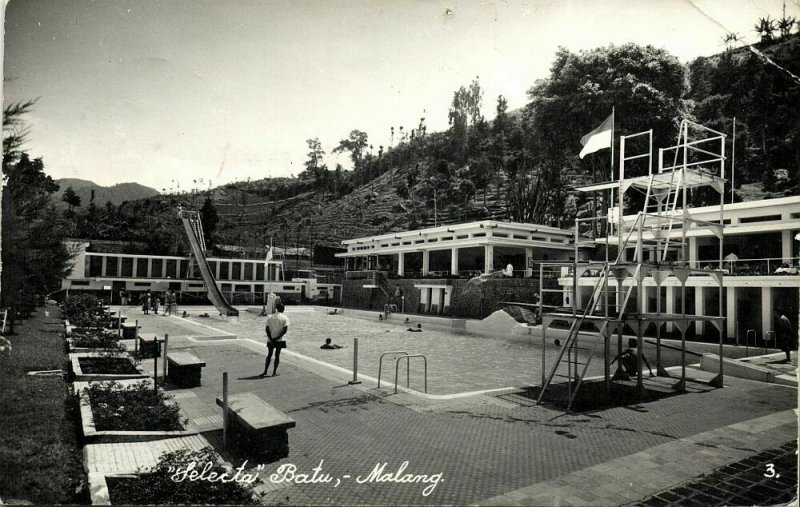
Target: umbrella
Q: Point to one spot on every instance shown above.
(731, 258)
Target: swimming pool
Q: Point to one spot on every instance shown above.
(456, 362)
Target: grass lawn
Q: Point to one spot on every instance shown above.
(40, 460)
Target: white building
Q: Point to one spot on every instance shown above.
(761, 272)
(462, 249)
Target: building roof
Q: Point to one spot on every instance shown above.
(485, 232)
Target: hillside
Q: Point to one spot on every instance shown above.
(116, 194)
(522, 165)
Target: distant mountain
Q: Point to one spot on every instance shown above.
(116, 194)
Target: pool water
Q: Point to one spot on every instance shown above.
(456, 362)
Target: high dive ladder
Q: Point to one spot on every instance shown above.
(657, 234)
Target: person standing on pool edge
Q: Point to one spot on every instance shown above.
(277, 327)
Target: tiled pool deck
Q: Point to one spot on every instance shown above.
(498, 448)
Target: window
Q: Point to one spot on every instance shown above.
(242, 288)
(158, 268)
(763, 218)
(172, 267)
(223, 271)
(141, 284)
(212, 265)
(141, 268)
(248, 270)
(479, 235)
(237, 271)
(127, 267)
(80, 283)
(111, 266)
(95, 265)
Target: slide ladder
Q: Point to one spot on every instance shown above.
(194, 230)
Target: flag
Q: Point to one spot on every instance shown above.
(598, 138)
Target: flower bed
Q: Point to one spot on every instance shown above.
(108, 365)
(103, 365)
(161, 485)
(133, 407)
(95, 340)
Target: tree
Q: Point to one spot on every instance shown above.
(72, 199)
(355, 143)
(209, 218)
(765, 28)
(464, 112)
(315, 154)
(785, 25)
(647, 85)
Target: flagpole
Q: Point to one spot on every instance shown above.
(611, 191)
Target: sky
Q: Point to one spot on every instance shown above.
(187, 93)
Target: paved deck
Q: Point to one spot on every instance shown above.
(491, 448)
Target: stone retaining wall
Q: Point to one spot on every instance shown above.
(478, 304)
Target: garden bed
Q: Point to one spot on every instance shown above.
(156, 486)
(129, 412)
(87, 366)
(94, 341)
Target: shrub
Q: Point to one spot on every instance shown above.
(159, 485)
(82, 310)
(97, 340)
(134, 407)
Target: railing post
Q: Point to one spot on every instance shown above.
(136, 339)
(166, 342)
(155, 366)
(225, 410)
(355, 363)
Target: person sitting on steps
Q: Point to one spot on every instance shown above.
(629, 359)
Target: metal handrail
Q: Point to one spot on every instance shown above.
(380, 362)
(408, 369)
(747, 341)
(770, 336)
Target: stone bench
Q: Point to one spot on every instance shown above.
(149, 346)
(256, 428)
(128, 331)
(185, 369)
(117, 321)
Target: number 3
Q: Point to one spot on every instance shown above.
(770, 471)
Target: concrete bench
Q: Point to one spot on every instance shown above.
(185, 369)
(149, 345)
(128, 331)
(117, 321)
(256, 428)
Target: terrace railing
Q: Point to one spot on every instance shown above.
(754, 267)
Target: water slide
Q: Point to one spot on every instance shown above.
(194, 230)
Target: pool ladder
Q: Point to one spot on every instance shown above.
(402, 354)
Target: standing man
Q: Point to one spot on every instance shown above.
(786, 337)
(277, 327)
(170, 302)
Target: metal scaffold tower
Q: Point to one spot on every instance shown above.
(645, 249)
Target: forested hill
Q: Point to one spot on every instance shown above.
(522, 166)
(116, 194)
